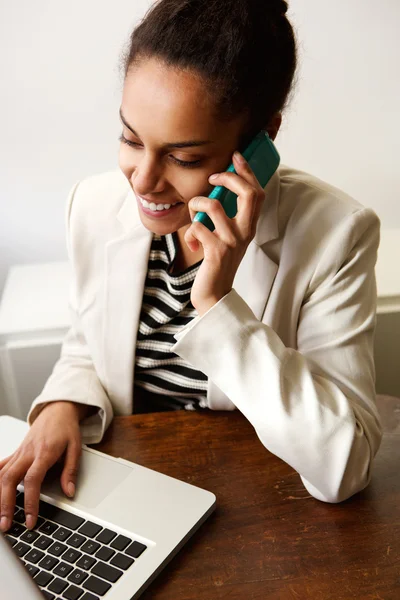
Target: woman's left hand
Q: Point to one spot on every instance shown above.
(225, 247)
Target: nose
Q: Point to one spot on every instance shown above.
(148, 175)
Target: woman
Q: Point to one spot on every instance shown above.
(273, 313)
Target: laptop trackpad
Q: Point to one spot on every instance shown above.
(98, 477)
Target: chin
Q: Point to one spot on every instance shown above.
(163, 228)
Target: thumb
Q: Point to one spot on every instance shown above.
(71, 467)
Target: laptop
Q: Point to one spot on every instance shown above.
(110, 541)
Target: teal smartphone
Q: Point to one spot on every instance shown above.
(263, 158)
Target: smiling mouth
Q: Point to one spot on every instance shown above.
(154, 207)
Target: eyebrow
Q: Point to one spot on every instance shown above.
(186, 144)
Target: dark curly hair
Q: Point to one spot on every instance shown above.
(245, 50)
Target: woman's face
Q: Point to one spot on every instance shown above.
(171, 142)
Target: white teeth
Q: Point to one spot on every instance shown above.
(153, 206)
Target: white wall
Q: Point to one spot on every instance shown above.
(61, 91)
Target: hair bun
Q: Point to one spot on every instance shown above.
(278, 8)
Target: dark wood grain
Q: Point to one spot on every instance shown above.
(268, 539)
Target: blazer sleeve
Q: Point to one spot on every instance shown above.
(74, 376)
(314, 406)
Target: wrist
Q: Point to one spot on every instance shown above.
(74, 408)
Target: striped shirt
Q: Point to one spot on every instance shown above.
(166, 309)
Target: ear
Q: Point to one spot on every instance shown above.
(274, 125)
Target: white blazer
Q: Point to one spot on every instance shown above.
(290, 346)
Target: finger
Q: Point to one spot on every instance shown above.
(32, 483)
(245, 171)
(12, 460)
(248, 195)
(4, 461)
(214, 209)
(9, 483)
(200, 234)
(71, 467)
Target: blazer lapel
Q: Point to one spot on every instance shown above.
(126, 268)
(255, 275)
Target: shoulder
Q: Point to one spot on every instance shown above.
(310, 205)
(323, 225)
(301, 190)
(92, 209)
(100, 195)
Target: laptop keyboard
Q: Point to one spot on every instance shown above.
(69, 557)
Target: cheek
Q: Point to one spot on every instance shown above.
(125, 161)
(194, 183)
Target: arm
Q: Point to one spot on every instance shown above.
(314, 407)
(74, 377)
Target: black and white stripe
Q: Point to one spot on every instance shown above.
(166, 308)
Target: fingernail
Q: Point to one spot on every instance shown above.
(71, 489)
(214, 176)
(239, 157)
(29, 520)
(4, 523)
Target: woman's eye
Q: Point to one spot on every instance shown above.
(186, 163)
(182, 163)
(123, 139)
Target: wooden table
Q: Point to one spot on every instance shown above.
(268, 539)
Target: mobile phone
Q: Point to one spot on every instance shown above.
(263, 158)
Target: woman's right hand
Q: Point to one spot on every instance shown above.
(54, 431)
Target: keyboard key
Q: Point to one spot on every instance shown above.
(43, 542)
(34, 556)
(43, 578)
(39, 522)
(136, 549)
(105, 553)
(121, 561)
(77, 576)
(90, 529)
(63, 570)
(72, 593)
(62, 534)
(19, 516)
(71, 555)
(58, 585)
(93, 584)
(57, 549)
(60, 516)
(90, 547)
(12, 541)
(89, 596)
(48, 563)
(32, 570)
(20, 549)
(20, 501)
(86, 562)
(106, 572)
(48, 528)
(120, 542)
(16, 529)
(106, 536)
(30, 536)
(76, 540)
(47, 595)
